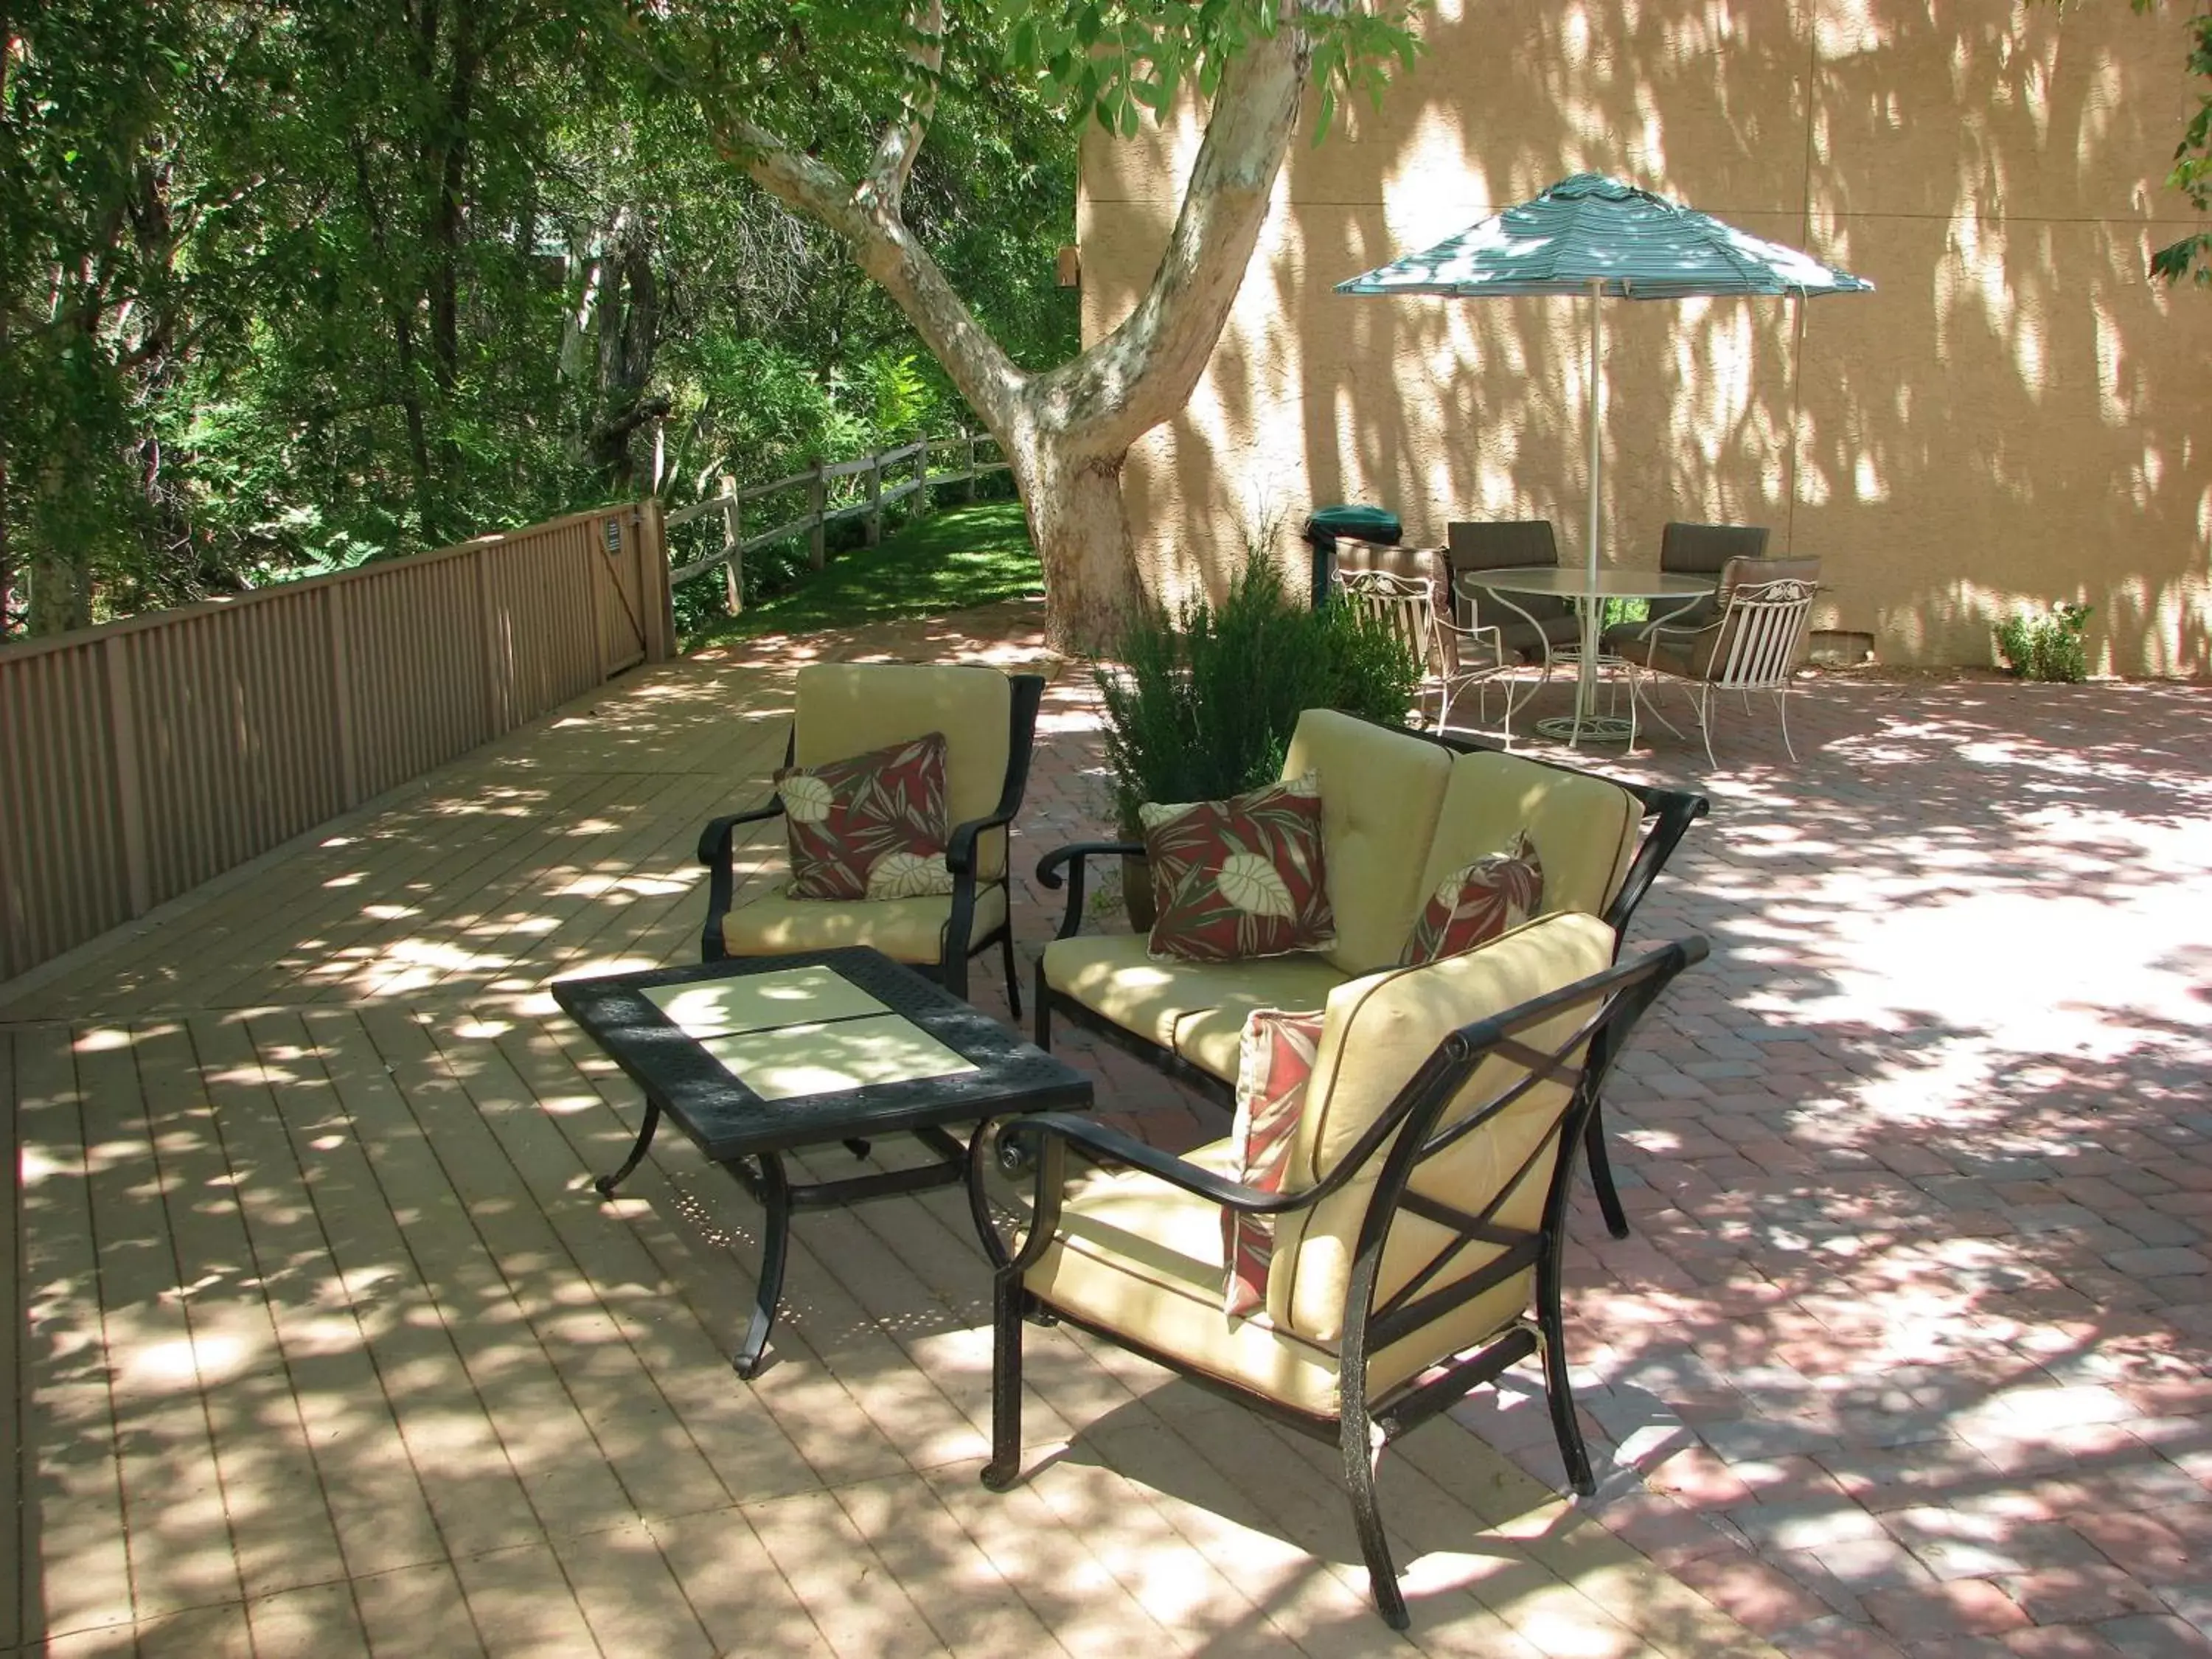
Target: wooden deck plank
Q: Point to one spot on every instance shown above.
(192, 957)
(734, 1586)
(439, 844)
(222, 1632)
(860, 1608)
(622, 907)
(412, 1611)
(475, 1495)
(470, 943)
(364, 1285)
(76, 1563)
(696, 1293)
(457, 1245)
(291, 1375)
(522, 1604)
(165, 1351)
(594, 1304)
(632, 1600)
(690, 1212)
(1059, 1573)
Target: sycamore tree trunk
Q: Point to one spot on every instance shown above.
(1066, 431)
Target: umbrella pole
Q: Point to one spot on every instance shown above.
(1586, 680)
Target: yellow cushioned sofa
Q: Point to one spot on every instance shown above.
(1401, 811)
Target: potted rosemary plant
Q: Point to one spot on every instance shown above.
(1202, 703)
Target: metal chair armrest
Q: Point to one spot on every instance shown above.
(1073, 858)
(715, 839)
(1103, 1144)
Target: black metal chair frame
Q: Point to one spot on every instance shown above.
(1669, 812)
(1404, 1136)
(716, 843)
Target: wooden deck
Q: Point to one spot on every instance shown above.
(324, 1346)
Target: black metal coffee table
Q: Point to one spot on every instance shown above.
(762, 1056)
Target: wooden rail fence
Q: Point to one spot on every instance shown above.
(870, 495)
(139, 759)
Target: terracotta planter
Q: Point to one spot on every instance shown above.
(1137, 894)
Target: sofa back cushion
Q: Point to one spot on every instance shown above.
(845, 709)
(1380, 791)
(1376, 1034)
(1584, 829)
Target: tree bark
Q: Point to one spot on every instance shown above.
(1067, 432)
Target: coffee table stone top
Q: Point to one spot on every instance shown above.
(766, 1053)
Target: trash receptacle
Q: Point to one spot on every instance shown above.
(1348, 523)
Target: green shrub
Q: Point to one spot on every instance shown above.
(2052, 646)
(1203, 703)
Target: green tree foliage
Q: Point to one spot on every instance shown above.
(287, 286)
(2192, 162)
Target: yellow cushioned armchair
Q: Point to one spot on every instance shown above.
(1417, 1235)
(845, 709)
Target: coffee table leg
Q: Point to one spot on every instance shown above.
(775, 1194)
(605, 1185)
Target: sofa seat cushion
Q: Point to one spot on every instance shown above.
(1380, 791)
(1584, 829)
(1138, 1257)
(766, 920)
(1194, 1009)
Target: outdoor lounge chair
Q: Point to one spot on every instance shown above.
(1452, 658)
(1418, 1218)
(1531, 626)
(1754, 644)
(990, 720)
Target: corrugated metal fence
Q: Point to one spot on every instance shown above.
(139, 759)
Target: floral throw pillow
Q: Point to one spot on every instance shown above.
(1474, 905)
(872, 827)
(1239, 878)
(1273, 1063)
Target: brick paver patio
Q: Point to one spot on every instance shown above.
(1911, 1350)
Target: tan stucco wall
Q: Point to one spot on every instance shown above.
(2016, 414)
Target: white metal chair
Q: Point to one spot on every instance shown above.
(1452, 658)
(1754, 645)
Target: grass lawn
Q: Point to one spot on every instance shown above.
(950, 561)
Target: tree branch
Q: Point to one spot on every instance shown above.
(883, 188)
(888, 251)
(1143, 372)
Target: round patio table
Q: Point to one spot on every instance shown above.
(1613, 582)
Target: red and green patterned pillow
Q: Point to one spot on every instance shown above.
(1239, 878)
(1273, 1064)
(1474, 905)
(872, 827)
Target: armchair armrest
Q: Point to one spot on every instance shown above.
(1073, 858)
(715, 853)
(1102, 1144)
(960, 850)
(715, 839)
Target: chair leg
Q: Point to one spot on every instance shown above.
(1782, 708)
(1013, 977)
(1559, 1388)
(1601, 1168)
(1358, 1449)
(1006, 1298)
(1705, 725)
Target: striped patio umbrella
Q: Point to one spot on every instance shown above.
(1592, 236)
